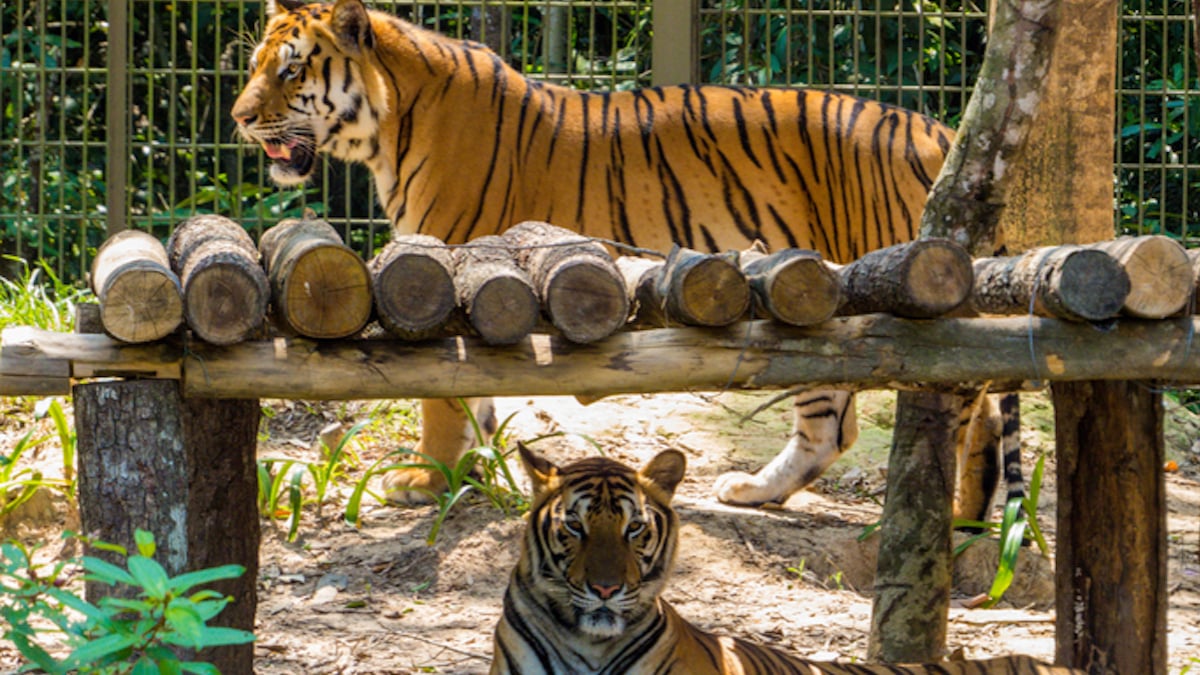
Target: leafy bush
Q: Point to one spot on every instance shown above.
(114, 635)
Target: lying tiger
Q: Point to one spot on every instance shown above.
(461, 145)
(585, 596)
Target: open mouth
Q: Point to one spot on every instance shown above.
(294, 158)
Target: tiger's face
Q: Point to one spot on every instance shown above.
(602, 539)
(308, 91)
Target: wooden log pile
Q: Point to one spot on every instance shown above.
(541, 278)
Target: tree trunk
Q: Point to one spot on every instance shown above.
(1111, 570)
(182, 469)
(964, 206)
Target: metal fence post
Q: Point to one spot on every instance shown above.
(675, 46)
(116, 155)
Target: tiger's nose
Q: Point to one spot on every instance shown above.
(244, 120)
(605, 592)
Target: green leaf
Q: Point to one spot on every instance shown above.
(149, 575)
(145, 542)
(186, 622)
(219, 636)
(184, 582)
(106, 572)
(100, 649)
(200, 668)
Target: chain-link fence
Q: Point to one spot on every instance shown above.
(115, 113)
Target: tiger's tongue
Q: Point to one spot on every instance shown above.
(276, 151)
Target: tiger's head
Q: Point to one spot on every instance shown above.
(601, 539)
(312, 88)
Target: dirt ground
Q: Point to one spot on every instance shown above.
(380, 600)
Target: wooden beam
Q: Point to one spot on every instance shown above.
(863, 352)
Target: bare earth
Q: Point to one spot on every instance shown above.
(379, 600)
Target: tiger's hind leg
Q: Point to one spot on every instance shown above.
(824, 426)
(990, 441)
(446, 433)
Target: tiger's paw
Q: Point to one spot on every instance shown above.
(743, 489)
(412, 487)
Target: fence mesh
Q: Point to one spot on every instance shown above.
(64, 125)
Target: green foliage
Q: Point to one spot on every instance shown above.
(114, 635)
(18, 482)
(494, 480)
(36, 296)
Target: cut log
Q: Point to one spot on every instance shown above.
(704, 289)
(1160, 274)
(794, 286)
(1065, 282)
(918, 280)
(641, 277)
(225, 290)
(141, 299)
(413, 281)
(320, 288)
(493, 291)
(575, 278)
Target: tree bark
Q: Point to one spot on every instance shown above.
(413, 283)
(182, 469)
(1111, 571)
(964, 206)
(575, 279)
(1066, 282)
(141, 299)
(320, 288)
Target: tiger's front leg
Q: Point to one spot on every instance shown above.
(824, 426)
(446, 433)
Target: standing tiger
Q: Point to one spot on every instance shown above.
(461, 145)
(586, 594)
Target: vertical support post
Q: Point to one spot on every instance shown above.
(182, 469)
(674, 51)
(910, 614)
(1111, 564)
(116, 116)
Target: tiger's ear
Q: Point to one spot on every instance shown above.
(352, 25)
(283, 6)
(542, 472)
(665, 470)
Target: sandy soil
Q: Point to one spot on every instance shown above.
(380, 600)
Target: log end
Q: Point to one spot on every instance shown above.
(225, 302)
(414, 293)
(586, 301)
(802, 292)
(1090, 286)
(1160, 277)
(939, 278)
(712, 292)
(503, 310)
(327, 294)
(141, 305)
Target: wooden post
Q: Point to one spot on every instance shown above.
(1111, 569)
(182, 469)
